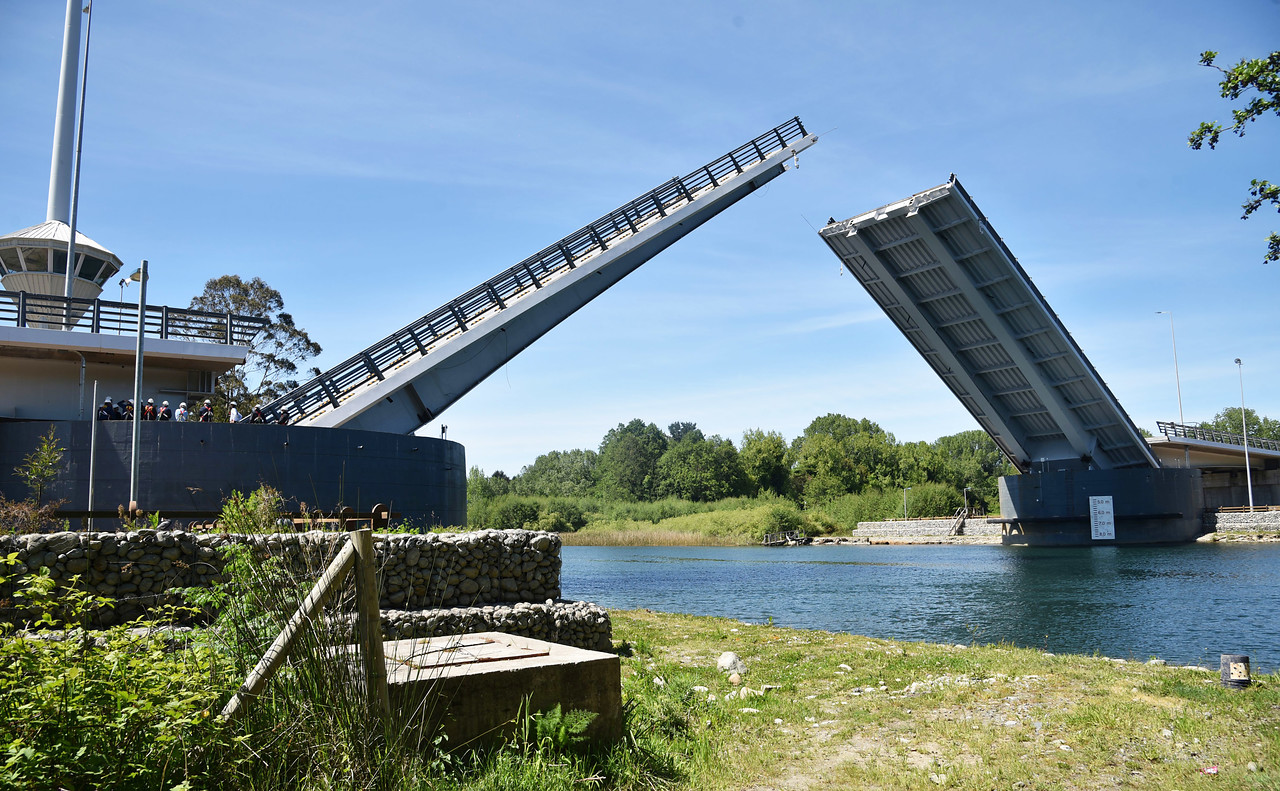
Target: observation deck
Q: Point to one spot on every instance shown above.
(50, 346)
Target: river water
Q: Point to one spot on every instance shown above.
(1185, 604)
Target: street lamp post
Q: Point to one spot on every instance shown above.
(135, 461)
(904, 501)
(966, 499)
(1177, 382)
(1244, 427)
(1177, 379)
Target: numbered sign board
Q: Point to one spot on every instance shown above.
(1102, 519)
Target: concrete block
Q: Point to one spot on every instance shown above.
(475, 686)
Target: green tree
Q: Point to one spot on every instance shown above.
(568, 473)
(972, 459)
(822, 469)
(39, 468)
(764, 460)
(1228, 420)
(628, 461)
(838, 455)
(274, 355)
(842, 428)
(481, 487)
(680, 429)
(1262, 76)
(701, 469)
(919, 462)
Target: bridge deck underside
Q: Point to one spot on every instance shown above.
(948, 282)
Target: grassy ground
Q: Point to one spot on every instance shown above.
(828, 710)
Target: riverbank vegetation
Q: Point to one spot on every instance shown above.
(126, 709)
(646, 485)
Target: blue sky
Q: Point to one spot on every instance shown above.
(374, 160)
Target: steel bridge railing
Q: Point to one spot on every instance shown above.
(418, 339)
(22, 309)
(1172, 430)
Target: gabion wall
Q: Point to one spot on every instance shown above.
(429, 583)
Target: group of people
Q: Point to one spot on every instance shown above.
(257, 416)
(123, 410)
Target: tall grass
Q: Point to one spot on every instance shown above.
(313, 725)
(742, 521)
(924, 501)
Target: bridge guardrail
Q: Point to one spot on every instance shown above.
(328, 390)
(1171, 430)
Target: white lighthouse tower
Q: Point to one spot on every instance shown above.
(34, 259)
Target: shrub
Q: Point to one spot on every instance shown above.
(103, 710)
(869, 506)
(257, 513)
(933, 500)
(512, 513)
(781, 517)
(25, 516)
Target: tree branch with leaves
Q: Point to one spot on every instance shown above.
(1263, 76)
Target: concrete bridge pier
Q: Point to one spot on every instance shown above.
(1052, 507)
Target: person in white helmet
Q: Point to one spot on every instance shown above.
(149, 410)
(234, 415)
(206, 412)
(181, 414)
(164, 412)
(105, 412)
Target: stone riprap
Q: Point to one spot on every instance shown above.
(925, 528)
(1258, 522)
(435, 576)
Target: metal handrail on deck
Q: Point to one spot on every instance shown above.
(22, 309)
(1171, 430)
(328, 390)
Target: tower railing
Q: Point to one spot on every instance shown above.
(23, 309)
(418, 339)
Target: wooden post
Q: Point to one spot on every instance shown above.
(279, 649)
(369, 624)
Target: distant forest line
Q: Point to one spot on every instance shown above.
(841, 470)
